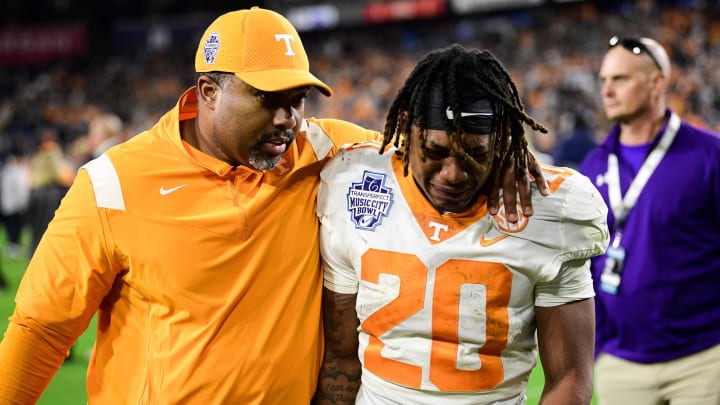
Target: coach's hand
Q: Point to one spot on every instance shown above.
(517, 182)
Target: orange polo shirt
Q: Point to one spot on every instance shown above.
(206, 279)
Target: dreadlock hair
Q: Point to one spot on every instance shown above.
(458, 69)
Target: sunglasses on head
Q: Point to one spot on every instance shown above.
(633, 45)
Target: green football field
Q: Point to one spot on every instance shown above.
(68, 386)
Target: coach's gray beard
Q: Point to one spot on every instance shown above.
(263, 163)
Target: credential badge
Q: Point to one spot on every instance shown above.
(211, 47)
(368, 201)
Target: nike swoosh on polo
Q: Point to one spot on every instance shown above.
(166, 191)
(487, 242)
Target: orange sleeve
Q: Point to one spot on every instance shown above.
(28, 360)
(67, 278)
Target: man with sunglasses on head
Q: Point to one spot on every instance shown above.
(657, 286)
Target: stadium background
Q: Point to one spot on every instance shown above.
(62, 61)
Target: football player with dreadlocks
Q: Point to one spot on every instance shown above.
(428, 299)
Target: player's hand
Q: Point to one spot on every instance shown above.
(517, 182)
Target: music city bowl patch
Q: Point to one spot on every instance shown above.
(211, 47)
(368, 201)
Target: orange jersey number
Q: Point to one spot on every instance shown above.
(449, 278)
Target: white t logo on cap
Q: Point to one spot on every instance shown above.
(288, 38)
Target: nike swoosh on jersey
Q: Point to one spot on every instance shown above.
(487, 242)
(166, 191)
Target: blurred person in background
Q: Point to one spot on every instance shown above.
(50, 176)
(196, 241)
(573, 149)
(447, 299)
(658, 307)
(104, 131)
(14, 198)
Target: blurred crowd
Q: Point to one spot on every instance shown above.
(553, 54)
(73, 111)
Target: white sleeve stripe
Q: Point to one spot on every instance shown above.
(319, 140)
(106, 183)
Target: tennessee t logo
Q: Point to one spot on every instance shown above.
(288, 39)
(438, 228)
(505, 226)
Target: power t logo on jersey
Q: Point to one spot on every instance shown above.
(506, 226)
(211, 47)
(368, 201)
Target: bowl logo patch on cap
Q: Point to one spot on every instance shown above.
(211, 47)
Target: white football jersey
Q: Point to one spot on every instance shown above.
(446, 301)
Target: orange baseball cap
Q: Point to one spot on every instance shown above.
(261, 47)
